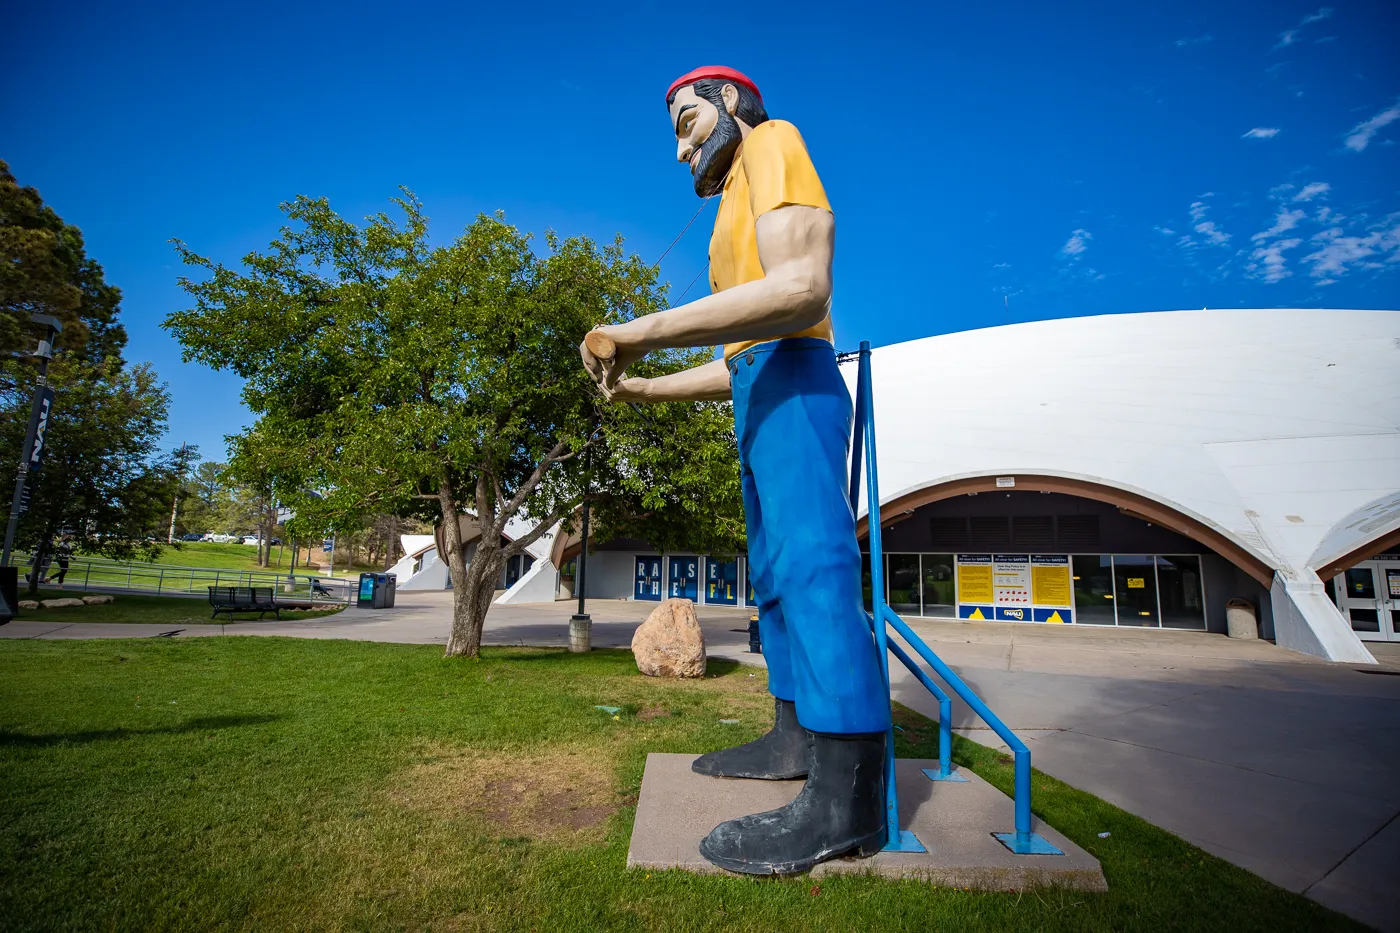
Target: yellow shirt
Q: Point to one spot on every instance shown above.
(771, 170)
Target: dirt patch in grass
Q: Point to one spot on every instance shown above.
(560, 794)
(653, 712)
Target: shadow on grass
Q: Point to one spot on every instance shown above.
(198, 724)
(714, 667)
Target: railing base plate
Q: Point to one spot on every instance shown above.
(953, 776)
(1032, 844)
(908, 842)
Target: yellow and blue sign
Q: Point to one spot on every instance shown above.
(721, 582)
(685, 577)
(1052, 590)
(647, 584)
(975, 590)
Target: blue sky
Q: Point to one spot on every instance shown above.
(987, 163)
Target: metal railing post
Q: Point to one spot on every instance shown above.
(877, 584)
(160, 580)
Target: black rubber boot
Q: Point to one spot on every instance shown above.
(841, 810)
(781, 755)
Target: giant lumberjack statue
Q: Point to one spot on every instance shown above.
(770, 274)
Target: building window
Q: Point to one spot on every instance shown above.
(939, 596)
(1093, 589)
(1135, 589)
(902, 583)
(1179, 589)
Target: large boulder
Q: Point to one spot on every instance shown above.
(98, 600)
(670, 643)
(29, 604)
(65, 603)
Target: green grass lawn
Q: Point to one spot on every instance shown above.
(281, 784)
(133, 607)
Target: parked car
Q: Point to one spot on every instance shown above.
(192, 536)
(220, 539)
(251, 539)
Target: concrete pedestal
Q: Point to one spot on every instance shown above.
(955, 821)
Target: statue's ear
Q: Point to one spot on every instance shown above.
(730, 94)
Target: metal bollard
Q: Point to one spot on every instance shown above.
(755, 646)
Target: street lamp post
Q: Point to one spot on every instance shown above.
(581, 624)
(39, 414)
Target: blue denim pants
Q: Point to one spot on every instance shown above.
(792, 415)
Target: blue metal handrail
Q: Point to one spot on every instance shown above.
(1023, 841)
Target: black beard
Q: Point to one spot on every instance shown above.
(717, 155)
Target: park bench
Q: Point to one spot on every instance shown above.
(231, 599)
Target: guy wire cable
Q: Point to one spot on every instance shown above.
(689, 223)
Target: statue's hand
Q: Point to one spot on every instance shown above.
(607, 345)
(635, 389)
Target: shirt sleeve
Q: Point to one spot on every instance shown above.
(779, 170)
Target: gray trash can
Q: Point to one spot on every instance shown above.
(1241, 620)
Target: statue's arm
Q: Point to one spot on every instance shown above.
(795, 246)
(707, 383)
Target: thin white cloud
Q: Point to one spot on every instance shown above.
(1261, 132)
(1361, 135)
(1077, 243)
(1290, 36)
(1198, 210)
(1002, 265)
(1165, 231)
(1312, 190)
(1268, 263)
(1338, 253)
(1198, 40)
(1213, 234)
(1285, 220)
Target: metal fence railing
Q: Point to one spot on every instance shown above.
(100, 573)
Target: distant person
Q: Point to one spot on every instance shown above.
(63, 552)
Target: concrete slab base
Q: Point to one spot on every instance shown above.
(955, 821)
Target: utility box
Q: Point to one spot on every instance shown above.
(377, 590)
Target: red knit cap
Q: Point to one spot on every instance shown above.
(718, 72)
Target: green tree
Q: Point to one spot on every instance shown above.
(182, 459)
(103, 478)
(402, 377)
(45, 269)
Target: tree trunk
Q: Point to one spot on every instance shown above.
(473, 586)
(174, 512)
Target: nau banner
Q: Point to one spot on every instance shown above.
(975, 590)
(1011, 580)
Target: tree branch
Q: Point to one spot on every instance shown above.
(527, 487)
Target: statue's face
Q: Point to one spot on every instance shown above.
(707, 136)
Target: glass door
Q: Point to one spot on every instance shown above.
(1390, 597)
(1360, 601)
(1135, 586)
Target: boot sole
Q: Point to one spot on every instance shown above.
(862, 848)
(751, 775)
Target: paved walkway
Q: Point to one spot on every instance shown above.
(1280, 763)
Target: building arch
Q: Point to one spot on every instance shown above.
(1130, 503)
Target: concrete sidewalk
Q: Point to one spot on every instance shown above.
(1278, 762)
